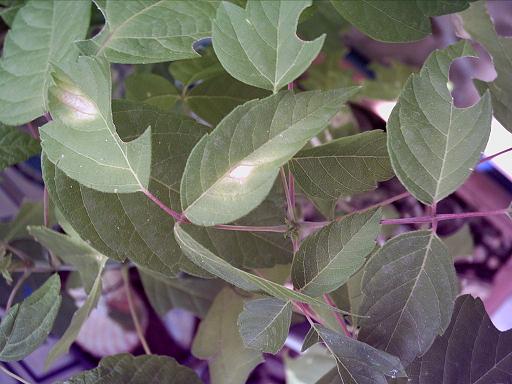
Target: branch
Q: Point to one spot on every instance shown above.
(338, 316)
(483, 160)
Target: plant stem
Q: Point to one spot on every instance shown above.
(442, 217)
(45, 207)
(177, 216)
(16, 288)
(138, 328)
(433, 214)
(13, 375)
(249, 228)
(338, 317)
(483, 160)
(18, 252)
(289, 192)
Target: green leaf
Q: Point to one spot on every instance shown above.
(151, 89)
(409, 288)
(82, 139)
(191, 293)
(357, 362)
(78, 319)
(201, 256)
(343, 167)
(471, 350)
(259, 45)
(27, 324)
(478, 23)
(9, 10)
(327, 73)
(264, 324)
(188, 72)
(432, 144)
(231, 170)
(29, 214)
(147, 369)
(73, 251)
(388, 82)
(134, 227)
(16, 146)
(219, 341)
(42, 32)
(327, 259)
(460, 244)
(308, 367)
(396, 20)
(142, 32)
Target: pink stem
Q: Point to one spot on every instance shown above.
(176, 215)
(290, 86)
(338, 317)
(291, 190)
(442, 217)
(433, 212)
(483, 160)
(383, 203)
(249, 228)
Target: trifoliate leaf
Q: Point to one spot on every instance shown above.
(396, 20)
(42, 32)
(344, 166)
(82, 140)
(259, 46)
(409, 288)
(190, 293)
(151, 89)
(147, 369)
(27, 324)
(16, 146)
(478, 23)
(231, 170)
(264, 324)
(219, 341)
(327, 259)
(150, 31)
(471, 350)
(357, 362)
(201, 256)
(432, 144)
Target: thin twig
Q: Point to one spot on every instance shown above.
(338, 317)
(250, 228)
(13, 375)
(177, 216)
(483, 160)
(442, 217)
(433, 213)
(138, 328)
(18, 252)
(16, 288)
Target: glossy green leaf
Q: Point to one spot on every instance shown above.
(219, 341)
(190, 293)
(16, 146)
(409, 289)
(259, 46)
(478, 23)
(432, 144)
(343, 167)
(327, 259)
(42, 32)
(396, 20)
(27, 324)
(309, 366)
(82, 140)
(201, 256)
(471, 350)
(134, 227)
(150, 31)
(264, 324)
(357, 362)
(146, 369)
(231, 170)
(151, 89)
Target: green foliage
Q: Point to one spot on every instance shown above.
(178, 178)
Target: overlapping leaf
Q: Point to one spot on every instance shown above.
(193, 294)
(16, 146)
(219, 341)
(201, 256)
(231, 170)
(343, 167)
(328, 258)
(147, 369)
(478, 23)
(28, 214)
(27, 324)
(264, 324)
(357, 362)
(471, 350)
(396, 20)
(42, 32)
(308, 367)
(82, 139)
(432, 144)
(409, 289)
(151, 89)
(150, 31)
(259, 46)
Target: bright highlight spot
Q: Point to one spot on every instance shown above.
(241, 172)
(81, 107)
